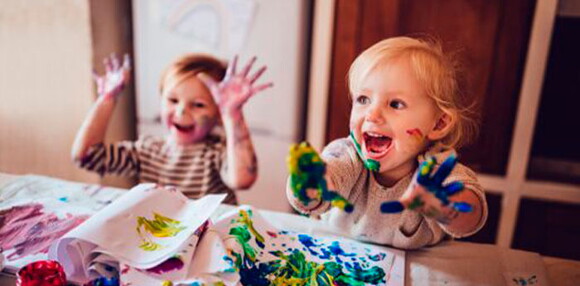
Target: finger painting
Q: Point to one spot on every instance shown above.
(264, 255)
(35, 211)
(158, 227)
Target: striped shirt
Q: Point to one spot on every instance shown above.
(194, 169)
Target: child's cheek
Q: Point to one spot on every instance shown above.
(353, 126)
(412, 140)
(415, 135)
(205, 123)
(165, 119)
(165, 114)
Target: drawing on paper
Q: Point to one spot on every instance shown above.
(160, 226)
(266, 257)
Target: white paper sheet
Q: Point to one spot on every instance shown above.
(142, 229)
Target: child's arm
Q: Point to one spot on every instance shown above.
(241, 166)
(109, 86)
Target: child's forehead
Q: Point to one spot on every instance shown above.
(185, 83)
(369, 66)
(394, 77)
(187, 94)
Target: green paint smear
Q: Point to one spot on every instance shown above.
(150, 246)
(160, 226)
(293, 268)
(416, 203)
(307, 171)
(370, 164)
(247, 221)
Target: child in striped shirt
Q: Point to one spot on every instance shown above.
(198, 94)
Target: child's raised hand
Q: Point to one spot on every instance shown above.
(236, 88)
(307, 177)
(116, 76)
(427, 194)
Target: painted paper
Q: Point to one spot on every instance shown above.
(36, 210)
(147, 227)
(264, 255)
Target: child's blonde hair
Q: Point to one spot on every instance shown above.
(434, 70)
(190, 65)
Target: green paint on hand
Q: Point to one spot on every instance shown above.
(307, 171)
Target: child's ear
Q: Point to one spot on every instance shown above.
(442, 127)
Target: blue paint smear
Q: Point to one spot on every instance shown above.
(309, 243)
(255, 274)
(377, 257)
(337, 250)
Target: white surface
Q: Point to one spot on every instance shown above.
(448, 263)
(278, 37)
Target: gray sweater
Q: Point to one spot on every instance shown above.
(408, 229)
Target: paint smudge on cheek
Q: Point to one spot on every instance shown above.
(204, 124)
(28, 230)
(416, 134)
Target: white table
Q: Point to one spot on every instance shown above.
(448, 263)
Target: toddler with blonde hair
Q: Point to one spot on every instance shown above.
(406, 116)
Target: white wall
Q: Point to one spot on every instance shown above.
(278, 37)
(45, 77)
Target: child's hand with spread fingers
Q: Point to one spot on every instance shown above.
(116, 76)
(236, 88)
(428, 195)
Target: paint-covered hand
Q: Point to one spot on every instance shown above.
(236, 88)
(116, 76)
(427, 194)
(307, 177)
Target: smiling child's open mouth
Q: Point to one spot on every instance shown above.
(184, 128)
(376, 144)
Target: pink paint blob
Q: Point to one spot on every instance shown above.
(171, 264)
(28, 230)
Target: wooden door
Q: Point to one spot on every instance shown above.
(490, 37)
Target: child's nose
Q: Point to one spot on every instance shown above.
(374, 114)
(180, 111)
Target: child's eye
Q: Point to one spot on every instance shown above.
(397, 104)
(172, 100)
(198, 104)
(362, 99)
